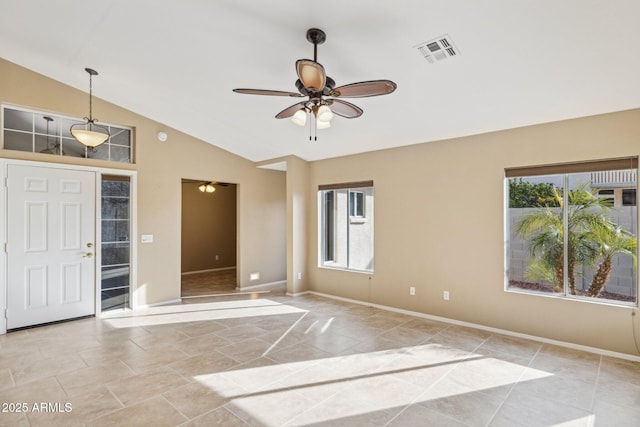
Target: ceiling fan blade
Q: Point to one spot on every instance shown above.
(290, 111)
(268, 92)
(311, 74)
(344, 108)
(364, 89)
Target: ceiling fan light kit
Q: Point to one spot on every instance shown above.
(322, 103)
(300, 117)
(89, 133)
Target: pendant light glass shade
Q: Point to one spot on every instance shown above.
(89, 133)
(90, 138)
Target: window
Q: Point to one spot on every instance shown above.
(39, 132)
(587, 250)
(629, 197)
(344, 242)
(356, 203)
(116, 244)
(607, 195)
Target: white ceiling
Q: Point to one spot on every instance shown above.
(521, 62)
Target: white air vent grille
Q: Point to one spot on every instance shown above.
(438, 49)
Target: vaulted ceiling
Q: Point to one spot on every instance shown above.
(176, 62)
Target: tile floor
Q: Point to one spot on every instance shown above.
(209, 283)
(271, 360)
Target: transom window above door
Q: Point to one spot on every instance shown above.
(42, 132)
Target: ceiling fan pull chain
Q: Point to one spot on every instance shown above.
(315, 127)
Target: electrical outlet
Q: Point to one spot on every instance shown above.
(217, 257)
(299, 276)
(445, 295)
(412, 290)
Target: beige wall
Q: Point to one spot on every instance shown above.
(297, 224)
(208, 227)
(439, 226)
(161, 166)
(436, 204)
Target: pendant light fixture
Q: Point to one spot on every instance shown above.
(90, 133)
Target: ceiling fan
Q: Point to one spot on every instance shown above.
(324, 99)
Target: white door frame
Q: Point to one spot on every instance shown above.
(133, 175)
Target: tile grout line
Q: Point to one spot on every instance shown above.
(595, 388)
(513, 386)
(413, 402)
(161, 395)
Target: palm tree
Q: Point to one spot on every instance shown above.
(609, 240)
(545, 230)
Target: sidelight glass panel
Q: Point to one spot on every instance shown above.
(116, 245)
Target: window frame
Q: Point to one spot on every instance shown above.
(329, 244)
(566, 171)
(356, 204)
(60, 137)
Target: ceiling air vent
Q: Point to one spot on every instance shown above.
(438, 49)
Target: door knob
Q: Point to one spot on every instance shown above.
(88, 255)
(89, 245)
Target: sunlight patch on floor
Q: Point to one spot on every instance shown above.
(377, 372)
(184, 313)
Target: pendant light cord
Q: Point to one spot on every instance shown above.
(90, 96)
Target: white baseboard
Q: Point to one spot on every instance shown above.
(186, 273)
(299, 294)
(246, 288)
(481, 327)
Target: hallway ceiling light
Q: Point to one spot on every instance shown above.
(90, 133)
(207, 187)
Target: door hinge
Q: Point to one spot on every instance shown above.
(5, 248)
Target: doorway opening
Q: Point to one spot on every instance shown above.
(209, 242)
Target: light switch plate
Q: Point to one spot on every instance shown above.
(146, 238)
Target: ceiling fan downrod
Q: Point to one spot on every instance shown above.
(316, 36)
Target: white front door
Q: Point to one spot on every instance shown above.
(50, 245)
